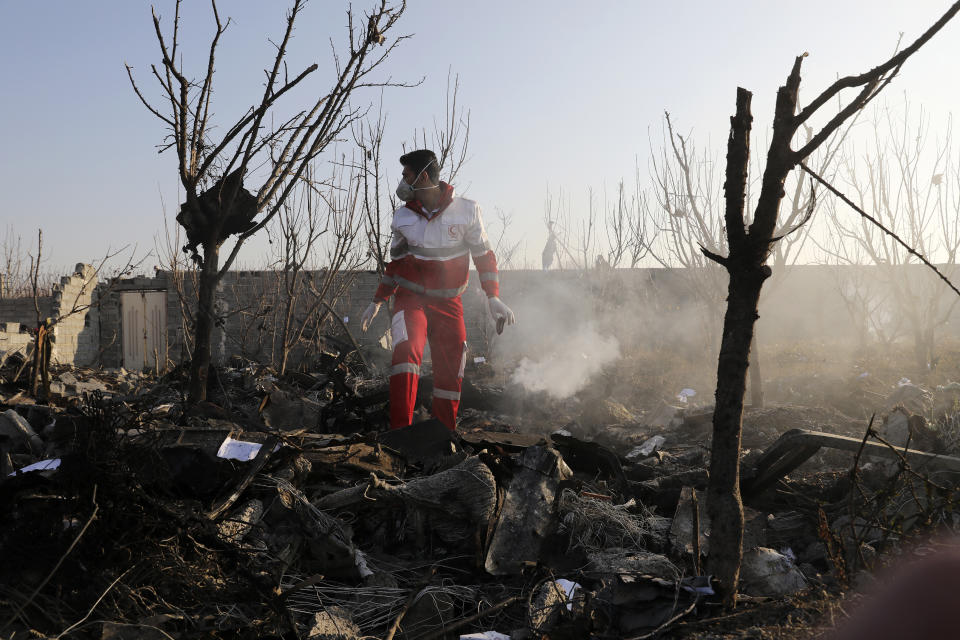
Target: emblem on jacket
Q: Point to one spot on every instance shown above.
(455, 231)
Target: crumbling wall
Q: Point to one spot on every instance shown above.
(76, 334)
(12, 338)
(22, 310)
(72, 307)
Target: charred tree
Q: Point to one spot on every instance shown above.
(749, 246)
(212, 171)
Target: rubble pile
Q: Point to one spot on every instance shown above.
(284, 508)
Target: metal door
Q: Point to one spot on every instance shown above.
(144, 329)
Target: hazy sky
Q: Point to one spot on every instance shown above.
(562, 94)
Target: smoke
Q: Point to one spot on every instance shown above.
(568, 366)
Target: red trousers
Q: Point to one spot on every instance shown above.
(416, 319)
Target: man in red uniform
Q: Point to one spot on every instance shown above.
(434, 235)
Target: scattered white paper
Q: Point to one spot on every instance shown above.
(239, 449)
(479, 360)
(903, 382)
(570, 588)
(486, 635)
(562, 432)
(43, 465)
(864, 374)
(685, 394)
(346, 319)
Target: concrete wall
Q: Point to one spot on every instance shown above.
(73, 308)
(638, 306)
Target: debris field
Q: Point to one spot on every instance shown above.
(283, 507)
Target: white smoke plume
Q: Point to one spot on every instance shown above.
(567, 367)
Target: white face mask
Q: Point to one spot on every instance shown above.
(407, 192)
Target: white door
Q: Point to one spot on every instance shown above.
(144, 329)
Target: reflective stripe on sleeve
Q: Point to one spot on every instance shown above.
(446, 395)
(489, 277)
(405, 367)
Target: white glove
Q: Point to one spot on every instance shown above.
(368, 315)
(499, 310)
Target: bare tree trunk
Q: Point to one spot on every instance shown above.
(749, 249)
(756, 380)
(723, 496)
(205, 322)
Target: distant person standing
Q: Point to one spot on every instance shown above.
(434, 234)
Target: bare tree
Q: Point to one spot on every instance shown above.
(66, 307)
(913, 190)
(686, 211)
(322, 215)
(212, 170)
(749, 246)
(630, 232)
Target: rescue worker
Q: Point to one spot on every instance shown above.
(434, 234)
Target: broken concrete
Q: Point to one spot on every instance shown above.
(765, 572)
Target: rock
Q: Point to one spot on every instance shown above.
(914, 398)
(896, 427)
(18, 430)
(616, 561)
(552, 600)
(764, 572)
(238, 525)
(333, 624)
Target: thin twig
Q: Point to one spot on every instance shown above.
(666, 624)
(409, 603)
(95, 604)
(879, 225)
(459, 624)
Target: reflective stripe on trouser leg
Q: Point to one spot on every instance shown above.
(409, 328)
(448, 345)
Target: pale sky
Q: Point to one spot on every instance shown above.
(562, 94)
